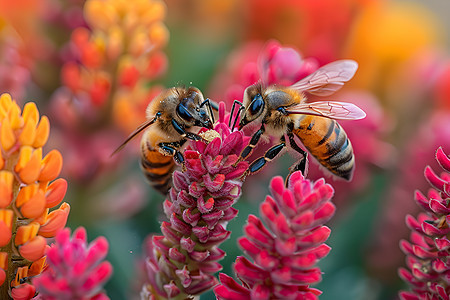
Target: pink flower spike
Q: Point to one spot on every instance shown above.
(286, 250)
(198, 207)
(433, 179)
(428, 252)
(443, 159)
(74, 268)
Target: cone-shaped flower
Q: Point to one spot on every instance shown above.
(286, 249)
(428, 252)
(75, 269)
(183, 261)
(27, 195)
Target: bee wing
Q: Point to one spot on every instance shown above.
(327, 79)
(329, 109)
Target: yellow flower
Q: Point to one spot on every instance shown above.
(28, 190)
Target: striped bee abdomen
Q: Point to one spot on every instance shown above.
(157, 168)
(327, 141)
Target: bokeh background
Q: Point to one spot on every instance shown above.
(93, 66)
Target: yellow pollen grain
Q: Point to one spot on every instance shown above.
(209, 135)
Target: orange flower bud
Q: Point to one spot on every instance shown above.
(6, 216)
(2, 161)
(35, 206)
(5, 103)
(2, 275)
(22, 272)
(56, 221)
(37, 266)
(34, 249)
(3, 261)
(6, 182)
(5, 233)
(42, 219)
(7, 137)
(30, 113)
(28, 133)
(52, 166)
(42, 132)
(55, 192)
(15, 119)
(159, 34)
(31, 170)
(23, 291)
(26, 193)
(26, 233)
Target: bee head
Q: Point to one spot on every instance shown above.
(254, 105)
(192, 109)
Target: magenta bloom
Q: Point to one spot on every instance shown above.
(428, 253)
(183, 261)
(75, 270)
(286, 249)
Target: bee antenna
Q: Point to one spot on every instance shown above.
(236, 102)
(208, 103)
(136, 132)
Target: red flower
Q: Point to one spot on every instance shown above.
(183, 261)
(427, 255)
(75, 270)
(285, 251)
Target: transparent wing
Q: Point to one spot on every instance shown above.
(327, 79)
(329, 109)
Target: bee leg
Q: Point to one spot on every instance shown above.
(251, 145)
(184, 133)
(171, 149)
(301, 165)
(270, 154)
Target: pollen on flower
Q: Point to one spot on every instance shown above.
(27, 192)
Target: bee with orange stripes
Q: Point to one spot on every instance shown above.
(285, 111)
(170, 116)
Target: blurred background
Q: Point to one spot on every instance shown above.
(93, 66)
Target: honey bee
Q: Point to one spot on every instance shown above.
(285, 111)
(172, 113)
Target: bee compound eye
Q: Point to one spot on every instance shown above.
(256, 104)
(183, 113)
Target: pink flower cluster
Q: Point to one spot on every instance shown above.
(183, 261)
(285, 251)
(75, 270)
(428, 253)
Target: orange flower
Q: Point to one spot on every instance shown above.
(26, 194)
(115, 58)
